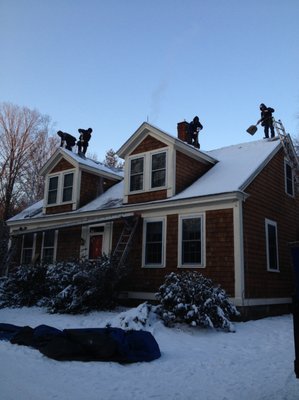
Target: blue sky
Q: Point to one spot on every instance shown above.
(112, 64)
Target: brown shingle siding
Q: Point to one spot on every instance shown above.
(188, 171)
(61, 166)
(148, 144)
(147, 196)
(268, 200)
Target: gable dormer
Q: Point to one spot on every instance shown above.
(71, 181)
(158, 165)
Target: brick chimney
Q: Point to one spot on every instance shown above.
(183, 131)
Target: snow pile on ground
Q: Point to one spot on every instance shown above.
(254, 363)
(139, 318)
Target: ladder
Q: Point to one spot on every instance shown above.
(124, 243)
(288, 147)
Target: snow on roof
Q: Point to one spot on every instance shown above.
(112, 198)
(236, 165)
(88, 162)
(32, 211)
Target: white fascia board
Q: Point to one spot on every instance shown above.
(165, 207)
(56, 225)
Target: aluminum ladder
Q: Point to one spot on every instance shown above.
(124, 243)
(288, 147)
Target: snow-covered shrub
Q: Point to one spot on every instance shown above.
(64, 287)
(25, 286)
(191, 298)
(85, 286)
(141, 317)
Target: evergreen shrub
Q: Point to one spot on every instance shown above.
(64, 287)
(189, 297)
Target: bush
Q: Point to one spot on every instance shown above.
(25, 286)
(191, 298)
(83, 287)
(65, 287)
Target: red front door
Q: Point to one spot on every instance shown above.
(95, 247)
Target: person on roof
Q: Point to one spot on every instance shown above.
(84, 138)
(267, 120)
(193, 129)
(67, 140)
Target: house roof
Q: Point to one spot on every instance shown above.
(237, 166)
(87, 164)
(147, 129)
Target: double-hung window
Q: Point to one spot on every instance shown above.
(49, 246)
(154, 243)
(136, 174)
(60, 188)
(271, 245)
(53, 190)
(289, 179)
(28, 248)
(191, 248)
(158, 170)
(148, 172)
(67, 187)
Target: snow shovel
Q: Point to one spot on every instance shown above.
(252, 129)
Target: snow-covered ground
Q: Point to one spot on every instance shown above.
(254, 363)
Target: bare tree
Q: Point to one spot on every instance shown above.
(25, 146)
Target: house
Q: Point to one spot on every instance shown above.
(229, 213)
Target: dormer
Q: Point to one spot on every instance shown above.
(158, 165)
(71, 181)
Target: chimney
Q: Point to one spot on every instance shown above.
(183, 131)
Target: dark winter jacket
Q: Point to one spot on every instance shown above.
(69, 139)
(266, 116)
(195, 126)
(85, 135)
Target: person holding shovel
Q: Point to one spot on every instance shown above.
(193, 129)
(267, 120)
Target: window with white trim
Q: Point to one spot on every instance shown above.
(136, 174)
(158, 166)
(60, 188)
(28, 246)
(289, 178)
(53, 189)
(191, 243)
(154, 242)
(67, 187)
(148, 172)
(271, 245)
(49, 246)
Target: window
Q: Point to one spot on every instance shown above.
(153, 234)
(53, 187)
(28, 248)
(148, 172)
(271, 246)
(191, 241)
(49, 245)
(136, 174)
(60, 188)
(289, 179)
(158, 170)
(67, 187)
